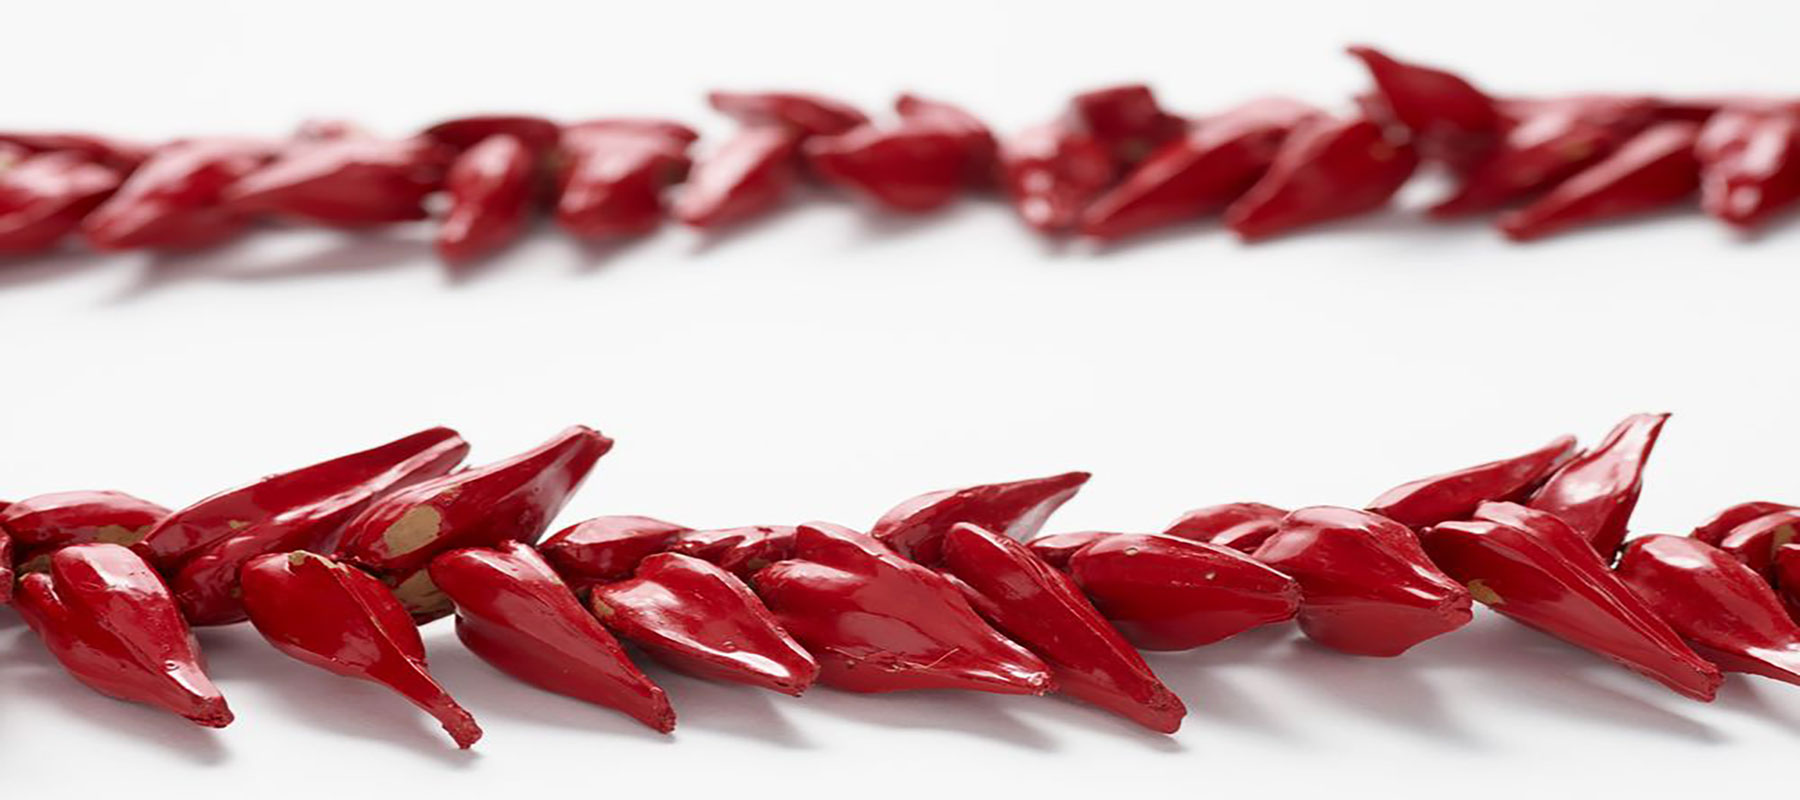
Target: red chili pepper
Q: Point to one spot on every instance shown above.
(1724, 609)
(613, 173)
(749, 175)
(120, 155)
(979, 145)
(1366, 586)
(397, 536)
(1057, 548)
(1326, 169)
(46, 523)
(203, 547)
(1749, 162)
(491, 191)
(1787, 577)
(1450, 120)
(1544, 143)
(326, 129)
(514, 612)
(538, 134)
(1052, 172)
(43, 198)
(1165, 593)
(741, 551)
(1755, 542)
(1200, 172)
(334, 617)
(345, 182)
(1027, 600)
(109, 619)
(6, 566)
(606, 548)
(1239, 526)
(701, 620)
(879, 623)
(1596, 491)
(174, 200)
(910, 168)
(1126, 120)
(1454, 495)
(1714, 530)
(1653, 170)
(1017, 509)
(1535, 568)
(806, 114)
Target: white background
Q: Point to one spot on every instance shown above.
(827, 363)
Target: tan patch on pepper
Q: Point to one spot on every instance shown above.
(421, 596)
(601, 609)
(119, 534)
(416, 528)
(1484, 594)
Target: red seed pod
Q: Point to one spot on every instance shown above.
(43, 199)
(1596, 491)
(806, 114)
(122, 156)
(1787, 577)
(1326, 169)
(1449, 119)
(606, 548)
(613, 173)
(344, 182)
(751, 174)
(1714, 530)
(1544, 143)
(741, 551)
(46, 523)
(1126, 120)
(1454, 495)
(1239, 526)
(1017, 509)
(1056, 549)
(1721, 607)
(1653, 170)
(1749, 162)
(538, 134)
(1755, 542)
(174, 200)
(1165, 593)
(979, 146)
(1052, 172)
(491, 188)
(911, 168)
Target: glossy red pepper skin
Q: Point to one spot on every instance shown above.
(175, 199)
(613, 174)
(1126, 120)
(6, 567)
(46, 523)
(606, 548)
(1715, 529)
(345, 182)
(806, 114)
(1056, 549)
(1722, 608)
(1017, 509)
(1366, 586)
(43, 199)
(980, 148)
(1653, 170)
(1326, 169)
(538, 134)
(1165, 593)
(1787, 577)
(1454, 495)
(1749, 162)
(910, 168)
(1239, 526)
(1543, 143)
(877, 622)
(1052, 172)
(491, 187)
(751, 174)
(703, 621)
(337, 618)
(1596, 491)
(1450, 119)
(120, 155)
(740, 551)
(1033, 604)
(106, 615)
(514, 612)
(1755, 542)
(398, 535)
(1532, 567)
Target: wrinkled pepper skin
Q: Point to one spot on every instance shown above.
(1165, 593)
(751, 174)
(1543, 143)
(122, 156)
(703, 621)
(1722, 608)
(1755, 542)
(1653, 170)
(491, 187)
(1714, 530)
(514, 612)
(43, 199)
(880, 623)
(740, 551)
(1450, 119)
(48, 522)
(1018, 509)
(806, 114)
(1239, 526)
(1749, 162)
(106, 615)
(911, 169)
(1057, 548)
(174, 200)
(538, 134)
(980, 148)
(1126, 120)
(1454, 495)
(1326, 169)
(1366, 586)
(1596, 491)
(1035, 605)
(397, 536)
(337, 618)
(613, 174)
(606, 549)
(1052, 172)
(1532, 567)
(1199, 172)
(348, 183)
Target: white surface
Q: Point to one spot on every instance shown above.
(826, 364)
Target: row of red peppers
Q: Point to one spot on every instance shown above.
(338, 563)
(1114, 164)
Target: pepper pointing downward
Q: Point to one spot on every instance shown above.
(1723, 608)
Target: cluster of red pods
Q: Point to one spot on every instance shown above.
(338, 563)
(1113, 164)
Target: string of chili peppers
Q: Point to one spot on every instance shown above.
(337, 564)
(1113, 165)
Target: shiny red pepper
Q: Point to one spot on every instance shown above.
(118, 154)
(1056, 549)
(1749, 162)
(514, 612)
(1450, 120)
(880, 623)
(174, 201)
(606, 548)
(1454, 495)
(491, 187)
(1035, 605)
(1239, 526)
(1596, 491)
(44, 197)
(741, 551)
(1654, 169)
(807, 114)
(1543, 143)
(749, 175)
(1535, 568)
(1126, 120)
(979, 146)
(1326, 169)
(1366, 586)
(1165, 593)
(1714, 530)
(1722, 608)
(1017, 509)
(1052, 172)
(1787, 577)
(909, 168)
(613, 173)
(6, 566)
(397, 536)
(537, 133)
(106, 615)
(46, 523)
(345, 182)
(1756, 542)
(337, 618)
(701, 620)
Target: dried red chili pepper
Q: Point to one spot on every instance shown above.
(1052, 172)
(1366, 586)
(1714, 530)
(1056, 549)
(1749, 162)
(606, 548)
(6, 566)
(1239, 526)
(1450, 120)
(1787, 577)
(1721, 607)
(1326, 169)
(1454, 495)
(43, 199)
(118, 154)
(397, 536)
(1532, 566)
(174, 200)
(1596, 491)
(1035, 605)
(491, 187)
(749, 175)
(1544, 143)
(334, 617)
(1165, 593)
(979, 146)
(807, 114)
(345, 182)
(514, 612)
(1654, 169)
(701, 620)
(741, 551)
(1755, 542)
(613, 173)
(910, 168)
(1126, 120)
(110, 621)
(537, 133)
(1017, 509)
(48, 522)
(879, 623)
